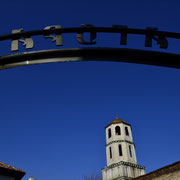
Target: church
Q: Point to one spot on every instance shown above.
(121, 157)
(120, 153)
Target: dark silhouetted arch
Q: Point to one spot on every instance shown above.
(91, 54)
(118, 130)
(109, 133)
(130, 152)
(126, 131)
(120, 150)
(110, 152)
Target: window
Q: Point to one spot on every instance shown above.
(118, 130)
(130, 151)
(109, 133)
(120, 150)
(110, 153)
(126, 130)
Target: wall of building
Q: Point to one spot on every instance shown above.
(115, 140)
(6, 178)
(122, 136)
(122, 170)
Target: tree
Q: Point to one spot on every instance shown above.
(93, 177)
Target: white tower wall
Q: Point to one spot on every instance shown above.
(124, 140)
(120, 152)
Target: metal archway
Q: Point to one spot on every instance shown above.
(89, 53)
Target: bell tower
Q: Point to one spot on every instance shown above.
(120, 152)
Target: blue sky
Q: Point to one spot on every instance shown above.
(53, 115)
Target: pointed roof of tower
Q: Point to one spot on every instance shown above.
(117, 120)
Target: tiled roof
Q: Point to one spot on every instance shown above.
(117, 120)
(11, 171)
(6, 166)
(159, 172)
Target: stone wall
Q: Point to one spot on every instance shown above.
(122, 170)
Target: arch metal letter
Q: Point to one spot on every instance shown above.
(160, 39)
(123, 40)
(27, 42)
(80, 38)
(57, 38)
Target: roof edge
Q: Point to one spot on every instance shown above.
(11, 171)
(120, 121)
(161, 171)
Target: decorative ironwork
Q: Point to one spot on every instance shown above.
(28, 42)
(91, 54)
(150, 34)
(56, 32)
(57, 38)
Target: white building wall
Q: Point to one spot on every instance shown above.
(115, 137)
(122, 139)
(122, 171)
(125, 165)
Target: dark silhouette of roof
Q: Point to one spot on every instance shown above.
(11, 171)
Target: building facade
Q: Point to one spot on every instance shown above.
(120, 153)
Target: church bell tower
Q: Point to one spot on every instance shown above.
(120, 153)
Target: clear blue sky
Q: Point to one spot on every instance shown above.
(53, 115)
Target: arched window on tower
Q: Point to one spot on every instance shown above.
(110, 153)
(109, 133)
(120, 150)
(126, 130)
(130, 152)
(118, 130)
